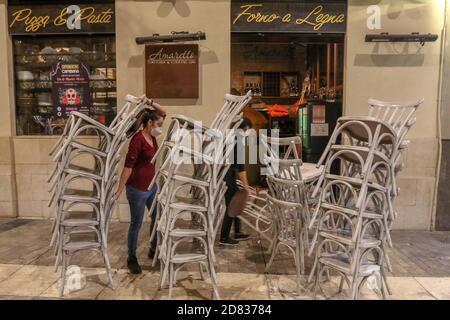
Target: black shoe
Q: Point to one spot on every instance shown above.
(229, 242)
(241, 236)
(133, 265)
(151, 253)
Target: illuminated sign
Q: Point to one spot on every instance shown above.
(329, 17)
(57, 19)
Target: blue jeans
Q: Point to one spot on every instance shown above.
(138, 200)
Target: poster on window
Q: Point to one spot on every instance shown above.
(318, 112)
(70, 89)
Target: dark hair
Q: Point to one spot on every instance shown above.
(149, 115)
(246, 122)
(142, 119)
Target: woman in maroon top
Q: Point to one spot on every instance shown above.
(136, 178)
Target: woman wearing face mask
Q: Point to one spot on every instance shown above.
(137, 176)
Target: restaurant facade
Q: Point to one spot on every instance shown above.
(249, 45)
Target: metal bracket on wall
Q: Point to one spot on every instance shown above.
(413, 37)
(182, 36)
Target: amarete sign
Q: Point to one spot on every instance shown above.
(57, 18)
(280, 16)
(171, 71)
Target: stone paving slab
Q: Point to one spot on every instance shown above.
(420, 260)
(41, 282)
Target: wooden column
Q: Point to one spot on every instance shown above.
(328, 65)
(335, 73)
(317, 69)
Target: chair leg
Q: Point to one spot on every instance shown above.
(202, 275)
(384, 279)
(212, 271)
(355, 287)
(317, 280)
(301, 255)
(108, 268)
(274, 252)
(63, 274)
(161, 270)
(298, 268)
(171, 278)
(341, 284)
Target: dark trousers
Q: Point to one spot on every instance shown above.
(232, 188)
(138, 201)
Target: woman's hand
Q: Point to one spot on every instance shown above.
(126, 172)
(118, 194)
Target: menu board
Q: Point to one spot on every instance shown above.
(171, 71)
(70, 89)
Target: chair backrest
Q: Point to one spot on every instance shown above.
(230, 110)
(286, 190)
(400, 116)
(272, 146)
(287, 218)
(121, 114)
(289, 169)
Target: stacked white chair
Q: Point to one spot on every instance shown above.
(289, 206)
(201, 176)
(355, 211)
(83, 197)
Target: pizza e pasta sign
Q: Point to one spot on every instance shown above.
(60, 19)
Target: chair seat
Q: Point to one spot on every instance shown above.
(372, 122)
(355, 182)
(188, 207)
(81, 245)
(79, 222)
(188, 257)
(341, 263)
(178, 233)
(351, 211)
(84, 147)
(361, 150)
(190, 180)
(310, 171)
(83, 171)
(79, 198)
(345, 237)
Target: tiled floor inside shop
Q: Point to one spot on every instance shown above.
(421, 269)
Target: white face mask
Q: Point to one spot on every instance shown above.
(156, 131)
(244, 133)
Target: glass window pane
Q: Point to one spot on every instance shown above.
(33, 60)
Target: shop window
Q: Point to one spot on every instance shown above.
(34, 60)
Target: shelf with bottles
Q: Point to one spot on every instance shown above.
(272, 84)
(253, 82)
(289, 84)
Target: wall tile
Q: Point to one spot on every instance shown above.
(6, 192)
(7, 209)
(24, 187)
(5, 150)
(31, 169)
(422, 153)
(30, 209)
(407, 195)
(26, 151)
(40, 187)
(6, 169)
(414, 217)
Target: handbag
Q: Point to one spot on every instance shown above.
(238, 203)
